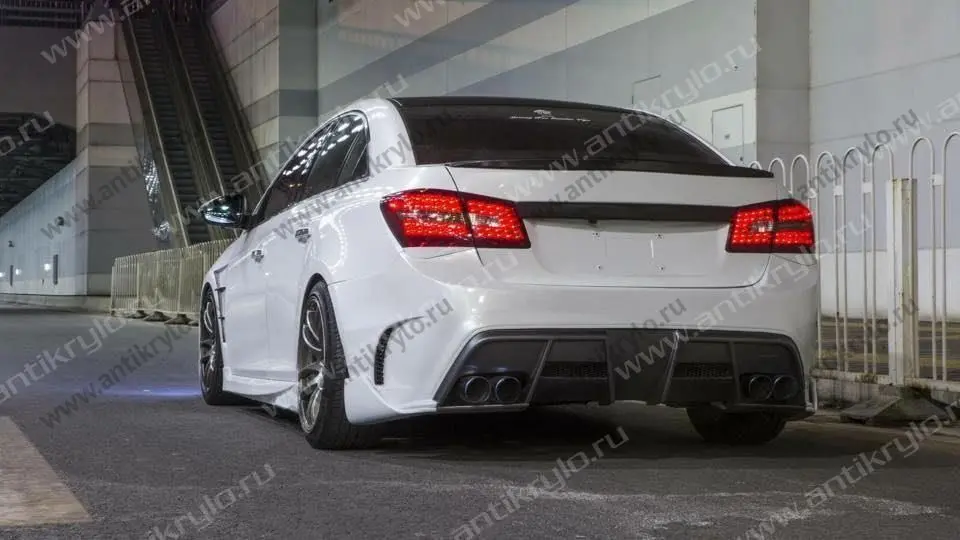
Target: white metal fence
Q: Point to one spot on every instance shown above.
(167, 282)
(888, 311)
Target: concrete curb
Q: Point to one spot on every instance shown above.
(89, 304)
(837, 392)
(833, 416)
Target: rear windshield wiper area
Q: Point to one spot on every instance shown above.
(612, 164)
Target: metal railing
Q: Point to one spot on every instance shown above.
(887, 311)
(164, 282)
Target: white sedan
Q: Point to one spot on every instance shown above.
(454, 255)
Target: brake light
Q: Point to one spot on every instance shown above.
(773, 227)
(441, 218)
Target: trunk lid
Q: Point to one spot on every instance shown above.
(622, 228)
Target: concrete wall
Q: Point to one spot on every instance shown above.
(248, 34)
(270, 47)
(658, 54)
(879, 68)
(295, 62)
(900, 76)
(30, 83)
(100, 196)
(33, 250)
(783, 79)
(300, 63)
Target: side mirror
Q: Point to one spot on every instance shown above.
(228, 211)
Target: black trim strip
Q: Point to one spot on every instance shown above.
(379, 356)
(691, 213)
(496, 101)
(717, 170)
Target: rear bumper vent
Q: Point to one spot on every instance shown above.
(561, 366)
(703, 371)
(575, 370)
(380, 354)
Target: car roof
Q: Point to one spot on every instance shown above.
(457, 101)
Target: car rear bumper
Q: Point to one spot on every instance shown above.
(676, 367)
(416, 372)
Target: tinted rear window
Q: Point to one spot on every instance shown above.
(467, 133)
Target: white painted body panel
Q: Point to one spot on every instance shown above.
(625, 253)
(374, 283)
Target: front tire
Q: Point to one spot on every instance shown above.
(749, 428)
(211, 356)
(321, 377)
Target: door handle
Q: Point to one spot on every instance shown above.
(257, 255)
(302, 235)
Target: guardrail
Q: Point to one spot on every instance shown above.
(163, 284)
(888, 313)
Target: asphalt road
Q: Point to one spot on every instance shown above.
(142, 455)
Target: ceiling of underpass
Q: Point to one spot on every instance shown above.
(31, 151)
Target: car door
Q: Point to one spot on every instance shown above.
(241, 307)
(247, 335)
(334, 161)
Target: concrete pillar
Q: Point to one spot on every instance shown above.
(108, 175)
(783, 80)
(299, 104)
(247, 32)
(270, 47)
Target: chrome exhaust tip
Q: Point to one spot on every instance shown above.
(474, 389)
(507, 389)
(760, 388)
(785, 387)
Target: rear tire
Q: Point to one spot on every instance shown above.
(750, 428)
(321, 378)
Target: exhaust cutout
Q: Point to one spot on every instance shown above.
(507, 389)
(785, 387)
(760, 388)
(474, 389)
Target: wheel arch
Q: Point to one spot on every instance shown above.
(311, 282)
(205, 289)
(309, 278)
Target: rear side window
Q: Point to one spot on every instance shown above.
(334, 150)
(581, 137)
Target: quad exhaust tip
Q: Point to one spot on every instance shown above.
(474, 389)
(777, 388)
(477, 390)
(507, 389)
(785, 387)
(760, 388)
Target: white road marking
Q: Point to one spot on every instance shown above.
(30, 491)
(648, 515)
(654, 512)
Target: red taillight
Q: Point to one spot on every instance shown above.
(441, 218)
(773, 227)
